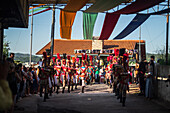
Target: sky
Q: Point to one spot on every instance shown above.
(153, 31)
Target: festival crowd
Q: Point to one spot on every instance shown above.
(55, 73)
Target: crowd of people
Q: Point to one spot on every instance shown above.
(22, 81)
(56, 73)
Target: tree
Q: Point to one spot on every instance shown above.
(6, 47)
(161, 53)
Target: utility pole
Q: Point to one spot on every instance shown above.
(52, 31)
(31, 36)
(140, 44)
(167, 35)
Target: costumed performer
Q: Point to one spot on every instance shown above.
(64, 71)
(57, 72)
(77, 69)
(68, 74)
(44, 77)
(83, 73)
(91, 70)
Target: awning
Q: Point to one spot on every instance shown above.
(104, 5)
(134, 24)
(138, 5)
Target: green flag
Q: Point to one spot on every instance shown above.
(88, 24)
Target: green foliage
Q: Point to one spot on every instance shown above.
(6, 47)
(159, 56)
(25, 57)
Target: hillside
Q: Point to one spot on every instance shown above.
(25, 57)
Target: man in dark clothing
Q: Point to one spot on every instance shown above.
(141, 73)
(11, 58)
(12, 79)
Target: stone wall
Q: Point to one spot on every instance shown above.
(162, 89)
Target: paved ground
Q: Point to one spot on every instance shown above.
(96, 99)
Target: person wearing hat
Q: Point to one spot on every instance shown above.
(69, 74)
(57, 75)
(83, 73)
(124, 79)
(109, 70)
(73, 71)
(77, 73)
(72, 77)
(64, 71)
(91, 70)
(44, 77)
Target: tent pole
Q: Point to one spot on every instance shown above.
(52, 31)
(140, 44)
(167, 35)
(31, 36)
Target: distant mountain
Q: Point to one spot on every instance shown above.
(25, 57)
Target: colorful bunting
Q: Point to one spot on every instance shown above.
(36, 6)
(134, 7)
(38, 9)
(41, 11)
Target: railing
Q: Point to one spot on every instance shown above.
(162, 85)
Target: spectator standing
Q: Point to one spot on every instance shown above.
(141, 73)
(12, 79)
(35, 81)
(29, 81)
(19, 79)
(25, 77)
(6, 100)
(149, 79)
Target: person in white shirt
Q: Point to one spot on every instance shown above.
(40, 62)
(101, 74)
